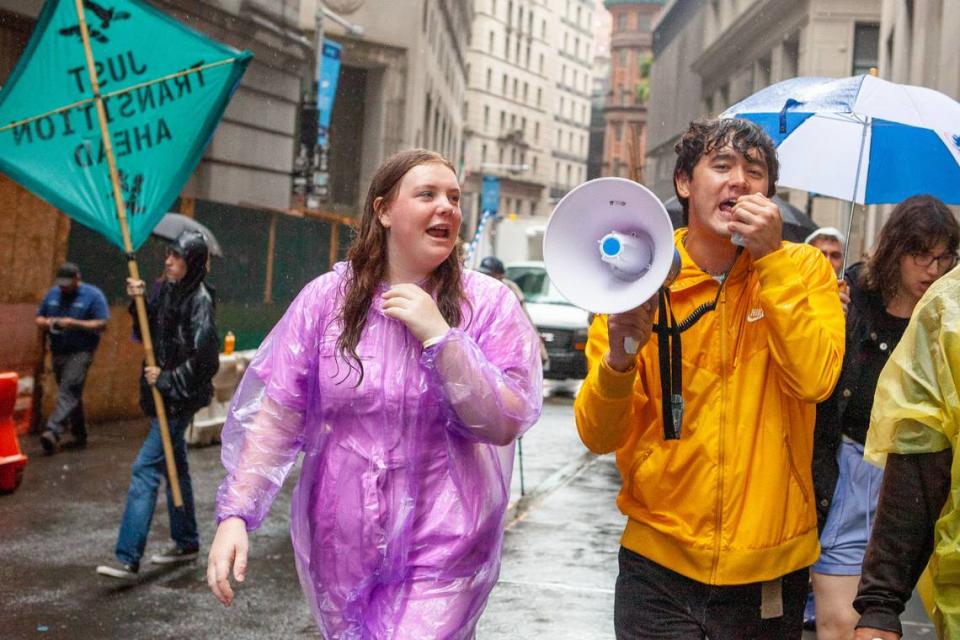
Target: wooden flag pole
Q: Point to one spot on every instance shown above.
(131, 258)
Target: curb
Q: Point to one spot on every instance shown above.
(517, 509)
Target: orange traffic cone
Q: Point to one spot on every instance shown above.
(12, 461)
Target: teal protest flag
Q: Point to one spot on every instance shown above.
(164, 88)
(106, 115)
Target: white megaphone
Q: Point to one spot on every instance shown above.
(608, 247)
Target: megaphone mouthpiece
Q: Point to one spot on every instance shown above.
(628, 255)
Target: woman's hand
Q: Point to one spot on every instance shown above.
(414, 307)
(229, 548)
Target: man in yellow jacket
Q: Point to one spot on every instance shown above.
(721, 521)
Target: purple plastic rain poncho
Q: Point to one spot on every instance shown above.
(397, 519)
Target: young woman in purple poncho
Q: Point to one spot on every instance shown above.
(404, 381)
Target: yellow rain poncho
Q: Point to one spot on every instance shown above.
(917, 410)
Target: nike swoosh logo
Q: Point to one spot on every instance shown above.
(754, 315)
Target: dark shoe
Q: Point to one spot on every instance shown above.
(118, 570)
(175, 555)
(50, 442)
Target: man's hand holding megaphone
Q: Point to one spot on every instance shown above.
(757, 222)
(636, 324)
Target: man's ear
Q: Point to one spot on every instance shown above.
(382, 212)
(682, 182)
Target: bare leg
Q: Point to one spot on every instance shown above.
(836, 617)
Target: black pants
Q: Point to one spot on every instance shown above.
(653, 602)
(70, 370)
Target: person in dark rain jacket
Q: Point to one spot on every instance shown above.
(186, 345)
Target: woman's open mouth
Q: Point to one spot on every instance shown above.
(439, 232)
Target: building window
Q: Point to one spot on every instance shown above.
(483, 153)
(536, 132)
(622, 22)
(489, 79)
(486, 116)
(866, 46)
(618, 131)
(490, 42)
(539, 95)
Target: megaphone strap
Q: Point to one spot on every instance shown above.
(668, 332)
(671, 368)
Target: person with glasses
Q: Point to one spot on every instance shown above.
(913, 434)
(916, 246)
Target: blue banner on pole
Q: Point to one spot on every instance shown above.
(490, 194)
(327, 77)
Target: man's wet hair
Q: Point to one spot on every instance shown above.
(708, 134)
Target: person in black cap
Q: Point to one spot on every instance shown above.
(74, 314)
(186, 345)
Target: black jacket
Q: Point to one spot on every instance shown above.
(185, 340)
(871, 336)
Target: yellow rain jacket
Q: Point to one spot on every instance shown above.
(731, 501)
(917, 410)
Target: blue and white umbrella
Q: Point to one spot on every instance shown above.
(860, 139)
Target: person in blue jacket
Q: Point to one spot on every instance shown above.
(74, 314)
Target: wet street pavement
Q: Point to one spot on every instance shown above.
(557, 578)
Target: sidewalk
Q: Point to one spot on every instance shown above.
(560, 562)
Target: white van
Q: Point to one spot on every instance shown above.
(562, 326)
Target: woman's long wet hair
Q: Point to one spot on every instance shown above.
(367, 256)
(917, 225)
